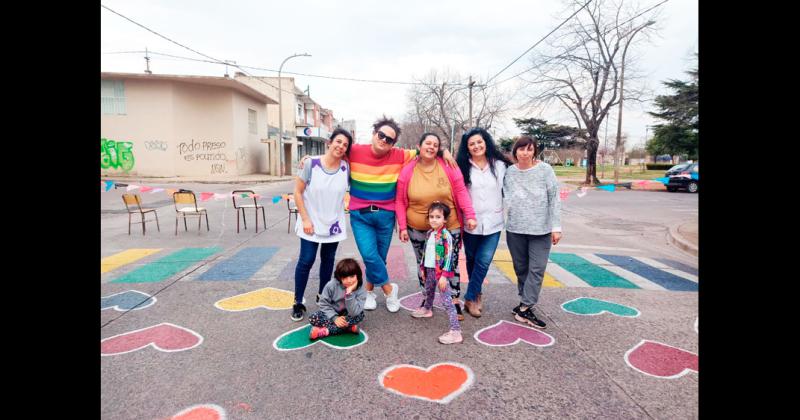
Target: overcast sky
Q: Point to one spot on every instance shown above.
(383, 40)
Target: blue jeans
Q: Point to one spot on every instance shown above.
(308, 253)
(479, 250)
(373, 234)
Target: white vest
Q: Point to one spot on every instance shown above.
(324, 202)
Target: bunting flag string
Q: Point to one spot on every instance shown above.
(203, 196)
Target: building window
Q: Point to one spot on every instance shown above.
(112, 97)
(252, 121)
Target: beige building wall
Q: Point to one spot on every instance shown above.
(145, 127)
(203, 125)
(249, 154)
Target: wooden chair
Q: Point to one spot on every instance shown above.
(133, 199)
(242, 207)
(292, 210)
(188, 197)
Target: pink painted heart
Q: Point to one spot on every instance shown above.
(201, 412)
(506, 333)
(414, 301)
(661, 360)
(163, 337)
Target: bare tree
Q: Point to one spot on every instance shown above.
(440, 103)
(584, 72)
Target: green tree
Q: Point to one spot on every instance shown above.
(505, 144)
(554, 136)
(680, 134)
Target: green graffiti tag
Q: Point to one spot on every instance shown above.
(116, 154)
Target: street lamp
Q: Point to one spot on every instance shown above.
(280, 111)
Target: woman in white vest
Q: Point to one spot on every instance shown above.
(319, 193)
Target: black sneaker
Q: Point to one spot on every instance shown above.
(527, 316)
(298, 311)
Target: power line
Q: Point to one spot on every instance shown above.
(539, 41)
(573, 48)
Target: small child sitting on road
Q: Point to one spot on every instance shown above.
(341, 303)
(437, 267)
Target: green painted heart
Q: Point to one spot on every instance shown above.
(298, 338)
(589, 306)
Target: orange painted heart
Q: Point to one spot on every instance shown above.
(201, 412)
(439, 383)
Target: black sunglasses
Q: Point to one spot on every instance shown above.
(385, 138)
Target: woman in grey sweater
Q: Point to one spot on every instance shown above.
(530, 191)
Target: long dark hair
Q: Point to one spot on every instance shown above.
(492, 153)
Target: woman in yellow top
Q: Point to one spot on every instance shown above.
(424, 181)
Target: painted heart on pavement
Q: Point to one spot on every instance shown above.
(414, 301)
(201, 412)
(590, 306)
(661, 360)
(298, 338)
(127, 300)
(267, 298)
(506, 333)
(439, 383)
(162, 337)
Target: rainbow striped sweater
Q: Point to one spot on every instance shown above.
(374, 180)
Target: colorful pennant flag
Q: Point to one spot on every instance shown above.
(205, 196)
(145, 189)
(564, 193)
(696, 175)
(219, 196)
(642, 183)
(109, 185)
(155, 190)
(610, 187)
(581, 192)
(664, 180)
(276, 199)
(132, 187)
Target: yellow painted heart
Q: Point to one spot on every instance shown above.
(267, 298)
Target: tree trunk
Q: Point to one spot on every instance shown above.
(591, 160)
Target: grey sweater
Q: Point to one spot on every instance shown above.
(333, 301)
(531, 197)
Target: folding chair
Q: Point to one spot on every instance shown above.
(292, 210)
(188, 197)
(134, 199)
(241, 207)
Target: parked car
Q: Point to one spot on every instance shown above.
(676, 169)
(687, 179)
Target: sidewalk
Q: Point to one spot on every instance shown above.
(685, 236)
(239, 179)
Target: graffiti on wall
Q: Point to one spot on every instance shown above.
(242, 158)
(156, 145)
(209, 151)
(116, 155)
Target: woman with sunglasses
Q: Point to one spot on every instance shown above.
(483, 168)
(422, 182)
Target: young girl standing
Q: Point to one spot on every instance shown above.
(437, 267)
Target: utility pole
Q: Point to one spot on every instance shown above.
(471, 84)
(226, 66)
(605, 149)
(147, 61)
(281, 170)
(621, 97)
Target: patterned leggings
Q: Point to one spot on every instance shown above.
(418, 238)
(319, 319)
(430, 289)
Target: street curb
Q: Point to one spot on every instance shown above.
(674, 238)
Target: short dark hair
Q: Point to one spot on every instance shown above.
(344, 132)
(524, 141)
(384, 120)
(438, 205)
(348, 267)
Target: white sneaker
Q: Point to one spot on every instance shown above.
(370, 304)
(392, 302)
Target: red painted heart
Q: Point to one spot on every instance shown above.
(439, 383)
(661, 360)
(163, 337)
(201, 412)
